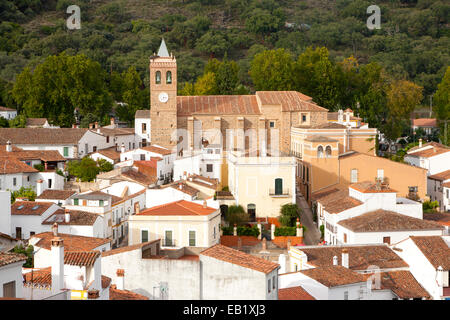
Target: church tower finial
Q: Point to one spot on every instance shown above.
(163, 52)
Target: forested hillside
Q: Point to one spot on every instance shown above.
(322, 48)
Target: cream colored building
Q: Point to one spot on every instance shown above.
(178, 224)
(261, 184)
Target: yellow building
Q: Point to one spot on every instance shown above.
(261, 184)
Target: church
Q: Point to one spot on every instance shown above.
(261, 121)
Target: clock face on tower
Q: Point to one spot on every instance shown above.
(163, 97)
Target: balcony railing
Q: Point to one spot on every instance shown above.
(295, 154)
(167, 242)
(279, 193)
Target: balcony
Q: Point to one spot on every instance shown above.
(276, 193)
(296, 154)
(167, 242)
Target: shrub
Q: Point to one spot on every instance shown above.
(241, 231)
(285, 231)
(322, 231)
(39, 167)
(289, 214)
(27, 192)
(236, 215)
(430, 206)
(26, 251)
(225, 188)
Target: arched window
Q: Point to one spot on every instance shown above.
(158, 77)
(169, 77)
(320, 152)
(328, 152)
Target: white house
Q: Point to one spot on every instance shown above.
(27, 217)
(169, 193)
(438, 186)
(165, 274)
(11, 282)
(383, 215)
(59, 197)
(8, 113)
(5, 213)
(165, 171)
(142, 128)
(74, 222)
(429, 261)
(179, 224)
(433, 156)
(110, 154)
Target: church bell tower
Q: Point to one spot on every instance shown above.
(163, 97)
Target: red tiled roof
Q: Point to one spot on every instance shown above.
(71, 242)
(294, 293)
(435, 249)
(56, 194)
(128, 248)
(27, 208)
(10, 257)
(360, 257)
(441, 176)
(428, 150)
(81, 258)
(424, 122)
(156, 149)
(185, 188)
(384, 220)
(10, 165)
(6, 109)
(220, 105)
(41, 277)
(402, 283)
(77, 218)
(239, 258)
(142, 114)
(36, 121)
(443, 218)
(110, 153)
(178, 208)
(370, 187)
(333, 276)
(289, 100)
(46, 136)
(116, 294)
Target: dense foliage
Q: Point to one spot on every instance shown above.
(241, 231)
(26, 192)
(287, 231)
(289, 213)
(236, 215)
(87, 168)
(28, 251)
(321, 48)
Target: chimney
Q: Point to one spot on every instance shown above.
(8, 146)
(272, 231)
(235, 230)
(137, 208)
(66, 216)
(345, 262)
(74, 126)
(340, 116)
(260, 231)
(93, 294)
(91, 126)
(57, 261)
(264, 244)
(113, 121)
(420, 143)
(180, 186)
(299, 230)
(335, 261)
(122, 148)
(205, 205)
(95, 124)
(120, 279)
(347, 116)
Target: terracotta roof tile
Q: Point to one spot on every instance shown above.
(10, 164)
(178, 208)
(71, 242)
(371, 187)
(47, 136)
(110, 153)
(40, 277)
(360, 257)
(139, 177)
(383, 220)
(116, 294)
(30, 208)
(333, 276)
(43, 155)
(56, 194)
(233, 104)
(435, 249)
(77, 218)
(36, 122)
(128, 248)
(240, 258)
(443, 218)
(6, 109)
(142, 114)
(10, 257)
(441, 176)
(424, 122)
(294, 293)
(184, 188)
(289, 100)
(428, 150)
(158, 150)
(81, 258)
(402, 283)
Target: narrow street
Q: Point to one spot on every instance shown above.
(312, 235)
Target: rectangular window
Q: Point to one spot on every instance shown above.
(345, 295)
(107, 139)
(94, 148)
(387, 240)
(303, 117)
(101, 203)
(268, 285)
(144, 236)
(66, 151)
(168, 240)
(32, 233)
(144, 128)
(273, 282)
(18, 232)
(209, 168)
(191, 238)
(272, 124)
(345, 238)
(380, 173)
(14, 181)
(354, 176)
(75, 202)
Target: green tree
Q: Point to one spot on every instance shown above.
(213, 43)
(236, 215)
(227, 77)
(441, 106)
(85, 170)
(60, 84)
(272, 70)
(27, 192)
(29, 252)
(288, 214)
(104, 165)
(18, 122)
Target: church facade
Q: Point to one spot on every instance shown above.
(246, 122)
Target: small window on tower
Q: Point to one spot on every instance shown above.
(158, 77)
(169, 77)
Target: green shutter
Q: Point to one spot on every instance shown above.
(75, 202)
(101, 203)
(66, 151)
(192, 238)
(278, 186)
(144, 236)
